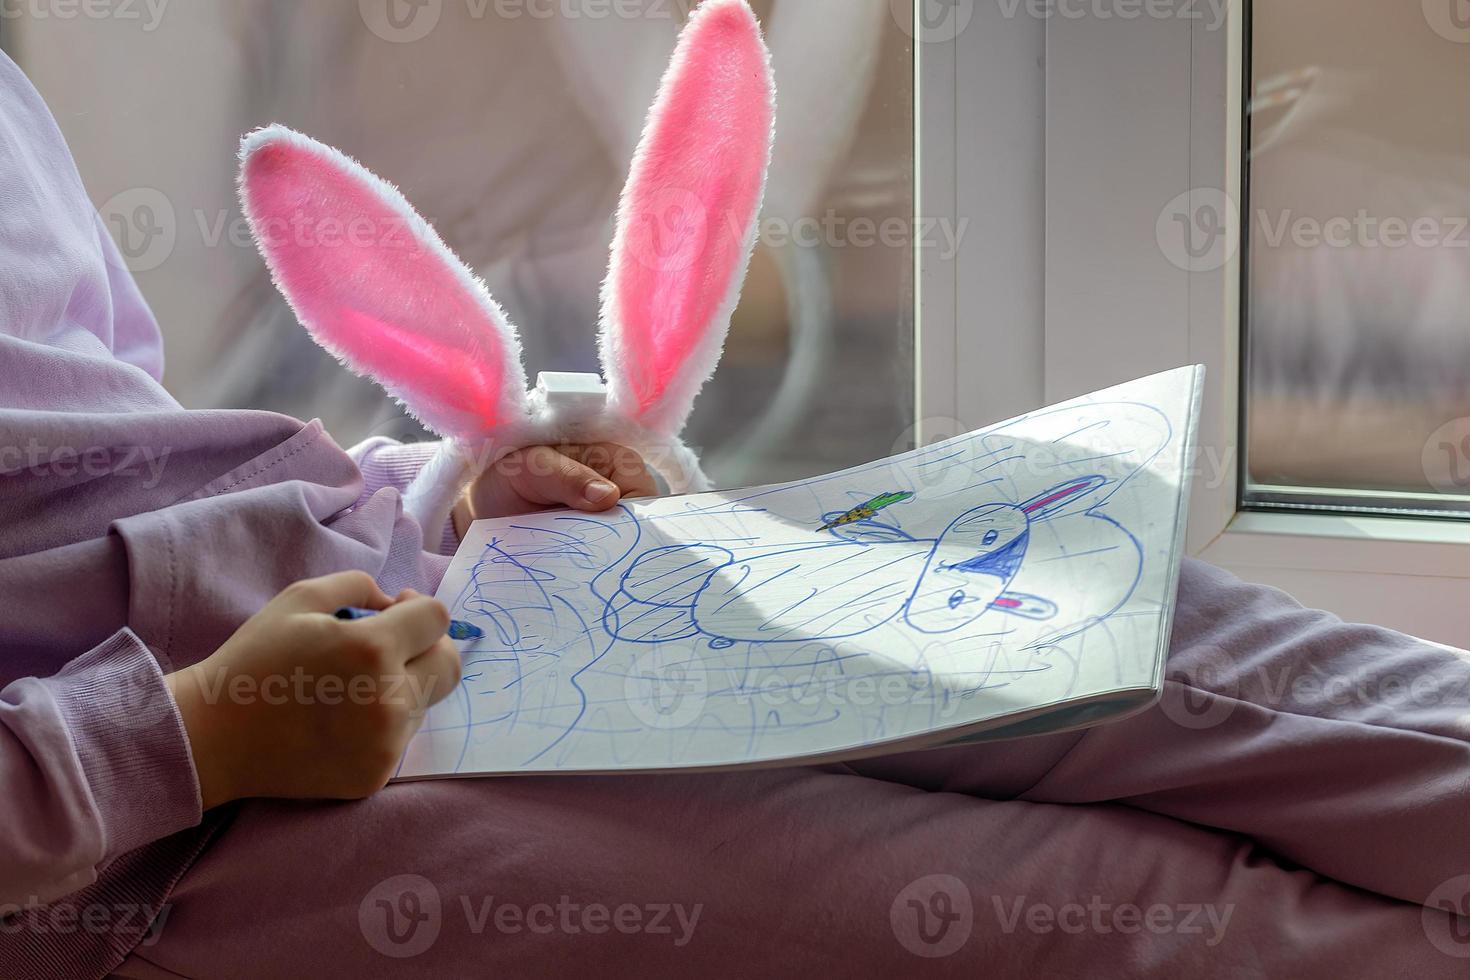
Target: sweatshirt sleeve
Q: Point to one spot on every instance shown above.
(386, 463)
(95, 762)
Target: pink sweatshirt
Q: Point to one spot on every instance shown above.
(135, 537)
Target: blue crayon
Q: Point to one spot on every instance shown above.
(458, 629)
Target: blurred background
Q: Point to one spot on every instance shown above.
(510, 124)
(1358, 291)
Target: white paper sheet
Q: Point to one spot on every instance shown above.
(1020, 578)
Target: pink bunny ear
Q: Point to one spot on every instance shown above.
(687, 221)
(377, 287)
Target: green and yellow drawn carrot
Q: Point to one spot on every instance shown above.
(866, 511)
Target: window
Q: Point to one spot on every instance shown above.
(510, 125)
(1357, 261)
(1147, 122)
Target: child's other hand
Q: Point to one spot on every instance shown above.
(299, 704)
(590, 478)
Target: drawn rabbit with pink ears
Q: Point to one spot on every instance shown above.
(375, 285)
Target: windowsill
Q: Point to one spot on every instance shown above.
(1337, 543)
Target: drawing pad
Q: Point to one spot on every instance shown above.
(1014, 581)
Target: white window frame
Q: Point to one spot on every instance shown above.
(1065, 288)
(981, 112)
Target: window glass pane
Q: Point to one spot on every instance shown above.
(510, 125)
(1358, 289)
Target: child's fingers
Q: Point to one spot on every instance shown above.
(332, 592)
(435, 673)
(543, 476)
(620, 464)
(408, 627)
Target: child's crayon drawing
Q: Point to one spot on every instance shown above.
(866, 511)
(1022, 565)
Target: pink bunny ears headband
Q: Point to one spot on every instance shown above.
(375, 285)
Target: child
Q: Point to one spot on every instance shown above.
(1242, 828)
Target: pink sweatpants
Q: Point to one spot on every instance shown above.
(1297, 805)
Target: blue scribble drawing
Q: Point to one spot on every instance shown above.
(1025, 562)
(864, 575)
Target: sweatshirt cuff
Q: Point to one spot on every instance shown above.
(385, 463)
(131, 742)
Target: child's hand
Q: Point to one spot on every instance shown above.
(590, 478)
(300, 704)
